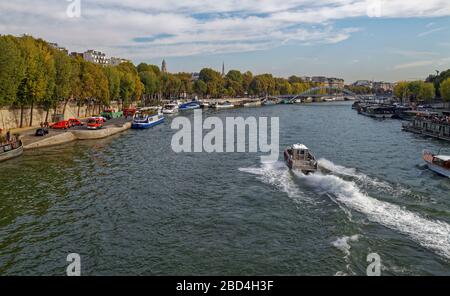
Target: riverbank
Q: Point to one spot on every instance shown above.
(54, 138)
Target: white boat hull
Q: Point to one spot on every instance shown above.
(439, 170)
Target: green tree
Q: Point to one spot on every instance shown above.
(213, 80)
(445, 90)
(401, 90)
(247, 79)
(427, 92)
(63, 84)
(12, 70)
(200, 88)
(234, 83)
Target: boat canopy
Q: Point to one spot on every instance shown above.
(299, 147)
(443, 157)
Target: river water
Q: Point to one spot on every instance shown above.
(130, 206)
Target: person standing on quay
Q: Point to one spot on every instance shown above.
(8, 136)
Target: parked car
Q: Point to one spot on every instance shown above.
(40, 132)
(75, 122)
(95, 123)
(61, 125)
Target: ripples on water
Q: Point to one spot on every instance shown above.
(129, 205)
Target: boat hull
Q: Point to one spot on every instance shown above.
(223, 106)
(439, 170)
(11, 154)
(147, 125)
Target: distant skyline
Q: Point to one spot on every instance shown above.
(352, 39)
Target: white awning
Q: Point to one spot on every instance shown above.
(299, 147)
(443, 157)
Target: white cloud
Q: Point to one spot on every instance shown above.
(413, 65)
(429, 32)
(190, 27)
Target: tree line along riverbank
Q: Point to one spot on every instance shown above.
(35, 75)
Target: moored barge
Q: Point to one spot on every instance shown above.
(429, 128)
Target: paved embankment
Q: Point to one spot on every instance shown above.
(58, 138)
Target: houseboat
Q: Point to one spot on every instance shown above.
(377, 111)
(170, 109)
(147, 118)
(190, 106)
(411, 115)
(11, 150)
(438, 163)
(299, 157)
(429, 128)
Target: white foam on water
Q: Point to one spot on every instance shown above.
(343, 243)
(278, 175)
(363, 178)
(431, 234)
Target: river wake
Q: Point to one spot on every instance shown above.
(431, 234)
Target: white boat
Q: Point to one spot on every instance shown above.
(438, 163)
(147, 118)
(170, 109)
(253, 104)
(299, 157)
(224, 105)
(11, 150)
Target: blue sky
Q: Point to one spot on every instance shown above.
(353, 39)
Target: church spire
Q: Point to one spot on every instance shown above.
(164, 66)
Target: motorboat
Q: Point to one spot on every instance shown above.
(170, 109)
(223, 105)
(205, 105)
(253, 104)
(437, 163)
(147, 118)
(11, 150)
(299, 157)
(190, 106)
(269, 102)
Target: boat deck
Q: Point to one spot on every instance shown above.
(440, 131)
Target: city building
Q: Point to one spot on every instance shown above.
(365, 83)
(336, 83)
(76, 54)
(117, 61)
(383, 86)
(164, 67)
(62, 49)
(319, 79)
(327, 82)
(96, 57)
(195, 76)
